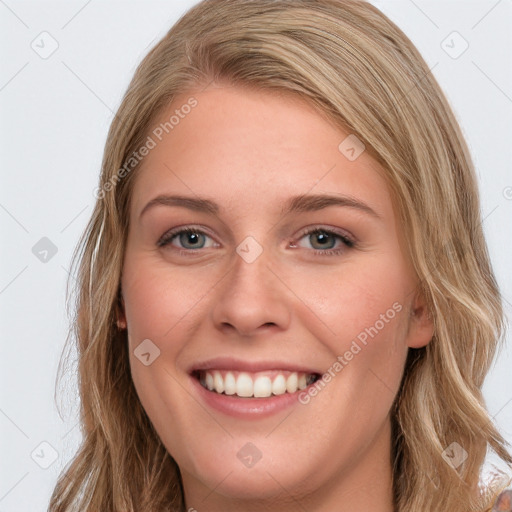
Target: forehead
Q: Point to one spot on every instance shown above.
(251, 148)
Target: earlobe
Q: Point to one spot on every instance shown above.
(121, 324)
(421, 326)
(120, 315)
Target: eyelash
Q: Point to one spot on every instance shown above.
(348, 243)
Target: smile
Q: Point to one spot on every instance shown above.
(254, 384)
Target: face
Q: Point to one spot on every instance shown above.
(268, 303)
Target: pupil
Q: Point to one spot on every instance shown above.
(323, 240)
(190, 239)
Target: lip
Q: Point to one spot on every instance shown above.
(246, 408)
(229, 363)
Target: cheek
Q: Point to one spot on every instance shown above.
(160, 298)
(168, 405)
(365, 297)
(162, 304)
(363, 308)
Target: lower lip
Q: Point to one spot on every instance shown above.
(238, 407)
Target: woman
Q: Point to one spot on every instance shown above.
(226, 363)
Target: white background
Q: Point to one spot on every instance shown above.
(55, 114)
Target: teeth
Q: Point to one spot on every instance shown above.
(244, 385)
(209, 381)
(258, 385)
(262, 387)
(218, 382)
(229, 384)
(292, 383)
(279, 385)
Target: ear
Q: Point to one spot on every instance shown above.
(120, 314)
(421, 324)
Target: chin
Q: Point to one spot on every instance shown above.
(230, 473)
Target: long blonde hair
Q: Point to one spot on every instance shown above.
(357, 67)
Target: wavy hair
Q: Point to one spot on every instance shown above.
(357, 67)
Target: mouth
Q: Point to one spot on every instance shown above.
(261, 384)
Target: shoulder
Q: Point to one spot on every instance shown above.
(504, 502)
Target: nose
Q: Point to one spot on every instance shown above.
(251, 299)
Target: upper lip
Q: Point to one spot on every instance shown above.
(230, 363)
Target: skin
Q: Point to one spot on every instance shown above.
(250, 151)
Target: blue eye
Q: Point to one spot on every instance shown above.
(188, 238)
(191, 240)
(322, 241)
(327, 242)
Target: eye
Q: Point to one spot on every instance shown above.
(321, 240)
(188, 238)
(325, 241)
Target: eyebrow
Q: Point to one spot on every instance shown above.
(309, 203)
(297, 204)
(192, 203)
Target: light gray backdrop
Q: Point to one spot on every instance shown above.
(65, 68)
